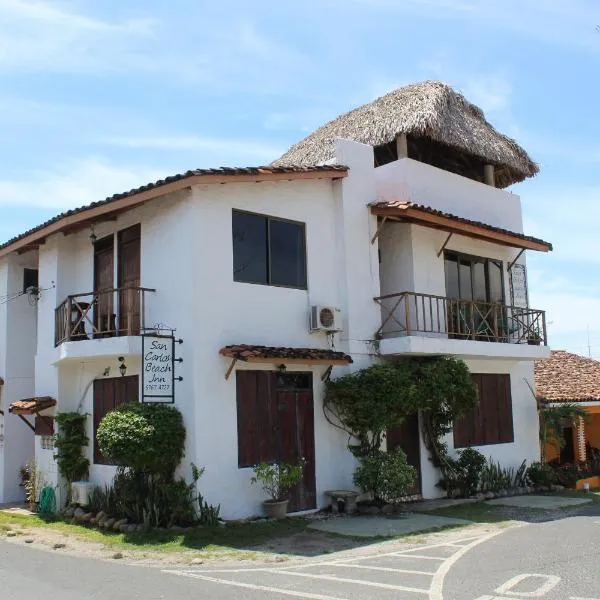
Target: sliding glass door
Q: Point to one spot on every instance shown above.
(473, 283)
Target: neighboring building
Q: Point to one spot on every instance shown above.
(272, 276)
(569, 378)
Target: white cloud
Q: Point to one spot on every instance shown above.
(81, 182)
(44, 36)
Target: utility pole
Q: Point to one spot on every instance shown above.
(588, 338)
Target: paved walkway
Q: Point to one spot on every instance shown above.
(376, 526)
(539, 502)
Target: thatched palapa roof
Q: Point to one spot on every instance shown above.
(429, 109)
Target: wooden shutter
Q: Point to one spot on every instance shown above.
(128, 269)
(491, 421)
(108, 394)
(104, 280)
(256, 421)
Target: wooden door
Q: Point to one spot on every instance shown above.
(296, 435)
(406, 437)
(128, 268)
(103, 280)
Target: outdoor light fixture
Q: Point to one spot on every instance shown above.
(122, 366)
(93, 236)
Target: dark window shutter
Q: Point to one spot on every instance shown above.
(256, 418)
(108, 395)
(44, 425)
(491, 421)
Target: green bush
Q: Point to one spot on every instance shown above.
(540, 474)
(69, 443)
(385, 475)
(145, 437)
(464, 476)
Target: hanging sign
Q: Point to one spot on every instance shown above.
(158, 368)
(518, 286)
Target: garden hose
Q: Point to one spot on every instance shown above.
(47, 503)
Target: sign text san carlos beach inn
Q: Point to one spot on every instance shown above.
(158, 377)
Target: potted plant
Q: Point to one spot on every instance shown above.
(534, 338)
(277, 479)
(32, 483)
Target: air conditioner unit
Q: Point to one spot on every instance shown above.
(80, 492)
(325, 318)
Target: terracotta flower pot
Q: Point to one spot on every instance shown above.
(274, 509)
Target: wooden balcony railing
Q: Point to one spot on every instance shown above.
(107, 313)
(410, 313)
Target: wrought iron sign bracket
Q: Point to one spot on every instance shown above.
(327, 374)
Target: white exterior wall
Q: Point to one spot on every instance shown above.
(187, 256)
(17, 346)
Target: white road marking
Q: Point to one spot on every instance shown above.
(388, 569)
(551, 581)
(423, 556)
(251, 586)
(435, 590)
(387, 586)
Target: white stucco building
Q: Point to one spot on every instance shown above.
(402, 232)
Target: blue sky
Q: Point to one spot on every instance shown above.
(98, 97)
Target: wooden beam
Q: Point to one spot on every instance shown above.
(488, 175)
(450, 224)
(512, 264)
(230, 369)
(402, 146)
(379, 228)
(127, 202)
(445, 244)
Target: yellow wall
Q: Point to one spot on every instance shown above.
(592, 431)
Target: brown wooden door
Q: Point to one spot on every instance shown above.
(406, 437)
(103, 280)
(108, 394)
(297, 441)
(128, 268)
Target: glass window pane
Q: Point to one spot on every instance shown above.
(479, 291)
(287, 253)
(249, 248)
(464, 275)
(451, 270)
(495, 279)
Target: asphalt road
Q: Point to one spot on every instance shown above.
(552, 561)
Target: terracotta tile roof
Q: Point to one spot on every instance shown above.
(567, 377)
(31, 406)
(208, 173)
(249, 353)
(404, 205)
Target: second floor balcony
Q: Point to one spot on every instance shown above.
(101, 314)
(444, 325)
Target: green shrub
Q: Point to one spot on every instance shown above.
(567, 475)
(69, 443)
(540, 474)
(144, 437)
(385, 475)
(463, 475)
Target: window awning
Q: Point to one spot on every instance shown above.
(31, 406)
(283, 355)
(426, 216)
